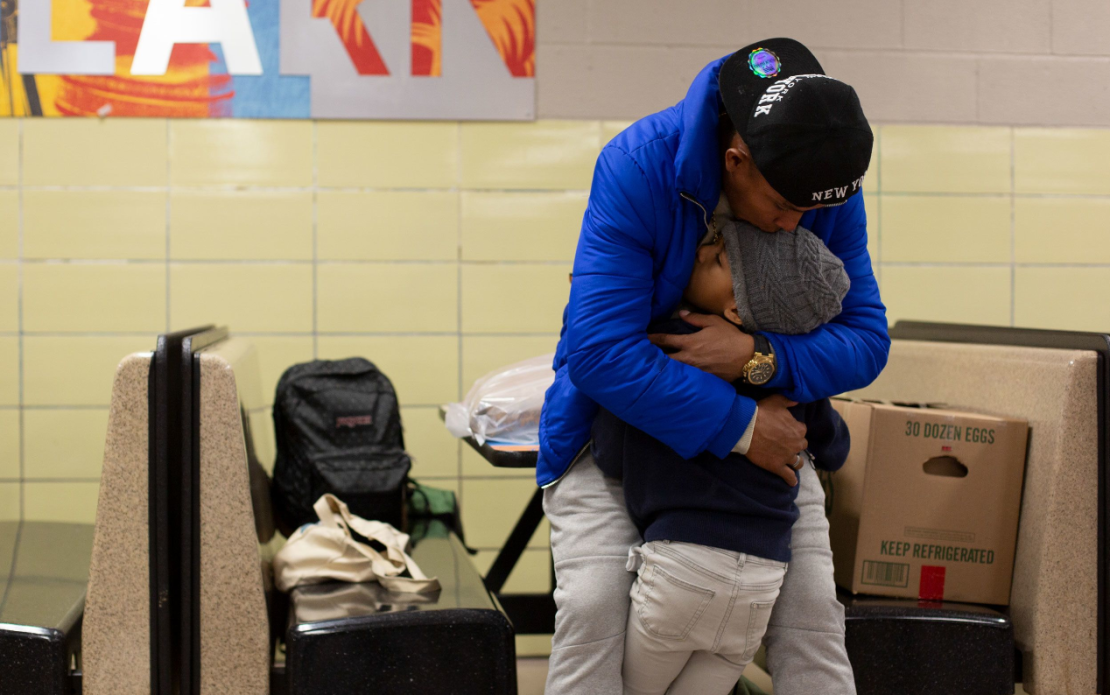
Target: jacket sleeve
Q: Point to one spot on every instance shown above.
(609, 357)
(850, 351)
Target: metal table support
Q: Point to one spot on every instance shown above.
(531, 614)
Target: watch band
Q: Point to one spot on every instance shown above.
(762, 345)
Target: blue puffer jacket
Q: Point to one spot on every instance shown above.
(653, 190)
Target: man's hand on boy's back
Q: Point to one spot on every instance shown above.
(722, 350)
(718, 348)
(778, 438)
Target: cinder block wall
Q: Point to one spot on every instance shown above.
(441, 250)
(1004, 62)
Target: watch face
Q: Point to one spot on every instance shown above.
(761, 373)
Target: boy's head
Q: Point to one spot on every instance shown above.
(787, 283)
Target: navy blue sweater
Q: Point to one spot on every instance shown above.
(728, 503)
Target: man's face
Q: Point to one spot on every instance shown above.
(750, 196)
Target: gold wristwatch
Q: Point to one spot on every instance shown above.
(761, 367)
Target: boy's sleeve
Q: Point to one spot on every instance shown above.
(609, 357)
(829, 439)
(850, 351)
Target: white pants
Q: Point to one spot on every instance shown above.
(698, 616)
(590, 537)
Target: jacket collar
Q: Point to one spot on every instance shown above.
(697, 171)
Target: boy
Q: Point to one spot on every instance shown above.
(717, 531)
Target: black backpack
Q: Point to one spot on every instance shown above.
(338, 430)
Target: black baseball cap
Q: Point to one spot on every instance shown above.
(806, 131)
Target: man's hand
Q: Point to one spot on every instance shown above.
(718, 348)
(778, 438)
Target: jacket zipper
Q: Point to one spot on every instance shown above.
(704, 211)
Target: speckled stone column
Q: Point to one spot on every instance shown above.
(116, 631)
(234, 628)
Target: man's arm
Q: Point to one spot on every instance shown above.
(844, 354)
(850, 351)
(609, 357)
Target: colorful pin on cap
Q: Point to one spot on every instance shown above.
(764, 63)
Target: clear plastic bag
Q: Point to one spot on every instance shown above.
(503, 407)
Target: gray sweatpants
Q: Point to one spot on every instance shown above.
(590, 537)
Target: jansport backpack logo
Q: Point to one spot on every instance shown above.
(353, 421)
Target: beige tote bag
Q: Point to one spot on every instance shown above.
(326, 551)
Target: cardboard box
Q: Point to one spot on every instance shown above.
(927, 504)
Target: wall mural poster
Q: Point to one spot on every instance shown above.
(395, 59)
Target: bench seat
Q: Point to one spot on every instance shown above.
(920, 648)
(43, 570)
(457, 640)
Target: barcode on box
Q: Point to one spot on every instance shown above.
(886, 574)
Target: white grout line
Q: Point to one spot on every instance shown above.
(315, 252)
(499, 264)
(26, 408)
(19, 292)
(902, 25)
(986, 265)
(459, 298)
(241, 188)
(553, 192)
(305, 334)
(308, 334)
(169, 182)
(876, 263)
(1013, 233)
(265, 262)
(938, 264)
(51, 480)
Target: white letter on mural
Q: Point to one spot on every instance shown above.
(169, 22)
(39, 54)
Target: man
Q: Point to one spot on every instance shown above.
(765, 137)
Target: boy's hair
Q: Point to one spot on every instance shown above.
(784, 282)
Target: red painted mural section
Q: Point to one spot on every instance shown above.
(186, 90)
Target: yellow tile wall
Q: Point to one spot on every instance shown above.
(387, 297)
(240, 153)
(93, 224)
(9, 371)
(9, 224)
(11, 508)
(993, 225)
(252, 225)
(93, 298)
(9, 152)
(9, 444)
(440, 251)
(531, 575)
(9, 298)
(387, 226)
(64, 443)
(93, 152)
(254, 297)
